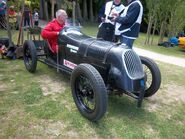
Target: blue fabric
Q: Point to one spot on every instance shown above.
(127, 41)
(101, 11)
(129, 20)
(2, 9)
(174, 40)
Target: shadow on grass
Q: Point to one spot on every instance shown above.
(123, 116)
(182, 50)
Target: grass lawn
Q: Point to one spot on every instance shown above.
(40, 105)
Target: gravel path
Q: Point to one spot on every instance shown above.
(163, 58)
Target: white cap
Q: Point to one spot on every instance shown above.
(3, 2)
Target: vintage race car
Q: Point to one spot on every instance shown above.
(97, 68)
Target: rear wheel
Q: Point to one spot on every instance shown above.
(30, 56)
(152, 76)
(89, 92)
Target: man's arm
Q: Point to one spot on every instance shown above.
(48, 33)
(131, 16)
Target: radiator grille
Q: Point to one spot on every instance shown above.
(133, 64)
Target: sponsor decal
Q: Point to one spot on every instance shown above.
(73, 32)
(73, 51)
(69, 64)
(72, 47)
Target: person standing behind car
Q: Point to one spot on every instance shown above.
(12, 17)
(106, 28)
(26, 15)
(128, 23)
(2, 12)
(52, 29)
(36, 18)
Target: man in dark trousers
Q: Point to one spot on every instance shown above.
(106, 27)
(26, 15)
(128, 23)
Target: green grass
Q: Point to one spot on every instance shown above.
(33, 95)
(90, 29)
(3, 33)
(25, 112)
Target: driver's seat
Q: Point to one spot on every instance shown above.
(49, 51)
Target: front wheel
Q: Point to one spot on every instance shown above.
(30, 56)
(152, 76)
(89, 92)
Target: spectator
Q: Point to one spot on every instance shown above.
(36, 18)
(106, 28)
(26, 15)
(52, 29)
(101, 13)
(2, 13)
(128, 23)
(2, 8)
(12, 17)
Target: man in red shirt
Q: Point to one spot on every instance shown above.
(52, 29)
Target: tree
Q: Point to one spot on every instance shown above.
(91, 10)
(165, 16)
(52, 8)
(176, 18)
(151, 17)
(85, 17)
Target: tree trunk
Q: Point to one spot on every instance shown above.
(154, 29)
(46, 10)
(78, 12)
(41, 9)
(172, 27)
(20, 36)
(8, 28)
(59, 4)
(85, 17)
(52, 9)
(74, 13)
(149, 30)
(162, 31)
(91, 11)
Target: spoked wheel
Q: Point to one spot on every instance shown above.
(89, 92)
(85, 93)
(152, 76)
(30, 56)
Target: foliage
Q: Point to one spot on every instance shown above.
(176, 18)
(33, 4)
(16, 4)
(169, 16)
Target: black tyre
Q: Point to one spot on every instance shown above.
(89, 92)
(30, 56)
(152, 76)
